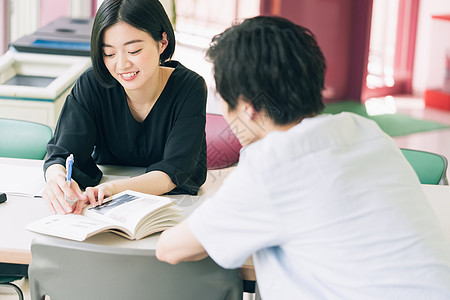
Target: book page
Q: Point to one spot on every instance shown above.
(70, 226)
(123, 212)
(155, 228)
(171, 213)
(128, 208)
(21, 180)
(159, 223)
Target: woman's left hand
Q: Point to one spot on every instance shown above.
(95, 195)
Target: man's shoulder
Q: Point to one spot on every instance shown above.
(312, 135)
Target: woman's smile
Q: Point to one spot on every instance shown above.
(128, 76)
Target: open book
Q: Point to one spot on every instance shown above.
(130, 214)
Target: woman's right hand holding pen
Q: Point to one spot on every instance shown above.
(58, 192)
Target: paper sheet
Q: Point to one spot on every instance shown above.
(21, 180)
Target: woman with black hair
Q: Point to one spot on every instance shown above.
(134, 107)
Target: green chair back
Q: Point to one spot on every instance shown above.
(431, 168)
(23, 139)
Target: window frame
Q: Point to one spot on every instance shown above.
(407, 20)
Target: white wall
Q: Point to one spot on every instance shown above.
(167, 4)
(24, 18)
(433, 36)
(80, 9)
(4, 26)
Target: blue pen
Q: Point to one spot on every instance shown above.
(69, 166)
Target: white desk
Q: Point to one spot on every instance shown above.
(18, 211)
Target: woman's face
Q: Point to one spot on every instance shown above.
(131, 55)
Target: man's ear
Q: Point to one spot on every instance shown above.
(247, 107)
(163, 43)
(250, 111)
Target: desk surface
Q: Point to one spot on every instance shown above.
(18, 211)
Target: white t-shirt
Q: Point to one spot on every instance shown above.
(330, 210)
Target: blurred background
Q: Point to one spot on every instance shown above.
(373, 47)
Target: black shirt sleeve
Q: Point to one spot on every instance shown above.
(75, 133)
(184, 157)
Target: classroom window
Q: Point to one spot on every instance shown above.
(207, 18)
(391, 50)
(382, 44)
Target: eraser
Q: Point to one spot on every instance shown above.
(2, 197)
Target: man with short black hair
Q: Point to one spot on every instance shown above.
(326, 204)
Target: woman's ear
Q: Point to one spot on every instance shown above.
(163, 43)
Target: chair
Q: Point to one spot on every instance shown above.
(223, 151)
(7, 281)
(64, 269)
(222, 145)
(23, 139)
(431, 168)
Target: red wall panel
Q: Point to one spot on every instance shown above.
(342, 29)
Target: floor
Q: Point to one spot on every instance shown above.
(434, 141)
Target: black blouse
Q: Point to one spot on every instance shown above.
(96, 125)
